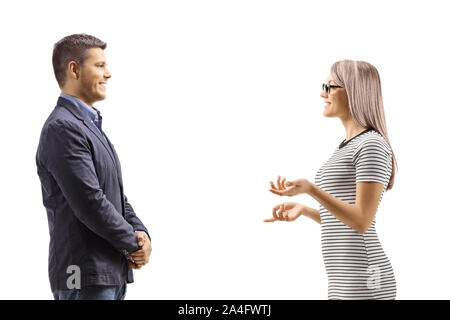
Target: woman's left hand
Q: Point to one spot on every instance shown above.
(290, 188)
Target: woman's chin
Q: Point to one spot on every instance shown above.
(328, 114)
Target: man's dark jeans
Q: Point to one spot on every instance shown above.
(93, 293)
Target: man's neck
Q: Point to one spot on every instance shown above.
(76, 95)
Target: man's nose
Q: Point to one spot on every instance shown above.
(107, 74)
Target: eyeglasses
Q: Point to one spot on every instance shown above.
(327, 87)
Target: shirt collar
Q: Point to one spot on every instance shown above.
(89, 111)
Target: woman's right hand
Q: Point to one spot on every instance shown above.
(288, 211)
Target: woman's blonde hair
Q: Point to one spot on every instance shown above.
(362, 83)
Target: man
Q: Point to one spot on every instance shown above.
(96, 239)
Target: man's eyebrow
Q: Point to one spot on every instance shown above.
(101, 62)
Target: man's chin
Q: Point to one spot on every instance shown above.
(101, 97)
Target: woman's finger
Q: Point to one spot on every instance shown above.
(269, 220)
(274, 212)
(281, 213)
(282, 183)
(276, 192)
(278, 214)
(272, 185)
(279, 183)
(277, 206)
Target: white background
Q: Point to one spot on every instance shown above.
(208, 102)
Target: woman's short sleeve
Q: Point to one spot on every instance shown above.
(373, 160)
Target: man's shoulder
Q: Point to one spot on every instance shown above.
(61, 118)
(58, 123)
(58, 129)
(62, 125)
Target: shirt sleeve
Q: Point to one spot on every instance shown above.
(373, 161)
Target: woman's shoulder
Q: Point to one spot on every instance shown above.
(372, 140)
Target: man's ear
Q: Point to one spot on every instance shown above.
(73, 70)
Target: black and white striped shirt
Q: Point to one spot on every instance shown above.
(356, 264)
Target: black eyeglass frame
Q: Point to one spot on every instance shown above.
(327, 87)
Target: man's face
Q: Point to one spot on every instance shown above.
(93, 77)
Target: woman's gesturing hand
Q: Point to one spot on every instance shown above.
(290, 188)
(288, 211)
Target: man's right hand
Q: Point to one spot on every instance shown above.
(133, 265)
(141, 256)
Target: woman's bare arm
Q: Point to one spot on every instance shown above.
(311, 213)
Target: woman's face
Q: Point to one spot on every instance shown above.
(336, 102)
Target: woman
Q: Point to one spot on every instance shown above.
(349, 187)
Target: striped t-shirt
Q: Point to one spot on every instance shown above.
(356, 264)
